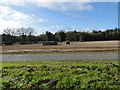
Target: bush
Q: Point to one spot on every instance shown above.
(7, 43)
(23, 43)
(35, 42)
(49, 43)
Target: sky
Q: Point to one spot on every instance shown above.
(56, 16)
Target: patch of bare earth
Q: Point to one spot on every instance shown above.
(94, 46)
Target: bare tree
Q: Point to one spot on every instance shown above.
(7, 31)
(23, 32)
(10, 31)
(30, 31)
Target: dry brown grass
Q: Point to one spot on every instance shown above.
(62, 47)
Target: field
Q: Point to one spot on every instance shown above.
(95, 46)
(100, 75)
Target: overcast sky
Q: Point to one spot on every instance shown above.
(55, 16)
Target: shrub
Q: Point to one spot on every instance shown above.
(8, 43)
(23, 43)
(49, 43)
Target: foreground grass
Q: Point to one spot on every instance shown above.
(60, 74)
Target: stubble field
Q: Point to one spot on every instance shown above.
(95, 46)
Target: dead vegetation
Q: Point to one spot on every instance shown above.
(95, 46)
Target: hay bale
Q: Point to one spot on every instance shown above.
(67, 42)
(49, 43)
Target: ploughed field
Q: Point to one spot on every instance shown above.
(29, 75)
(94, 46)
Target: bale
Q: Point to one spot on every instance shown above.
(50, 43)
(67, 42)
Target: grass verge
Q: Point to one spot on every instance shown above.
(64, 74)
(61, 52)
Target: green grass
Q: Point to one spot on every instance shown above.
(60, 74)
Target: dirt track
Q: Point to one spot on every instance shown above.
(96, 46)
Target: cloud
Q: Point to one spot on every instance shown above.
(52, 5)
(65, 6)
(61, 27)
(10, 18)
(54, 28)
(76, 15)
(87, 29)
(59, 5)
(23, 1)
(41, 20)
(102, 29)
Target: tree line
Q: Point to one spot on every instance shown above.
(25, 36)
